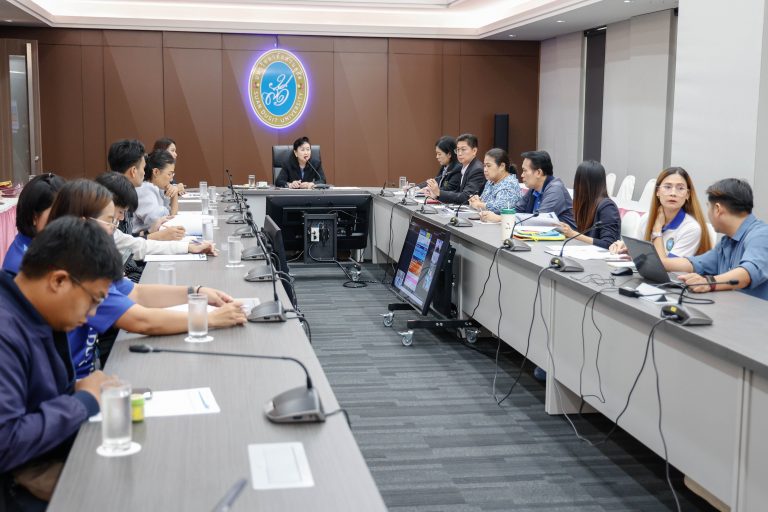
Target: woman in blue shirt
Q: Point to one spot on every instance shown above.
(502, 190)
(32, 211)
(158, 173)
(591, 204)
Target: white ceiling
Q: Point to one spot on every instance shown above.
(466, 19)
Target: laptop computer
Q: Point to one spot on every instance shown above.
(647, 261)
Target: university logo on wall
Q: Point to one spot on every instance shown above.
(279, 88)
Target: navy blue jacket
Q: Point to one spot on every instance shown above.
(472, 183)
(292, 172)
(554, 198)
(39, 408)
(449, 179)
(608, 213)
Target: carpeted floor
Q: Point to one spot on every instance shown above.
(432, 434)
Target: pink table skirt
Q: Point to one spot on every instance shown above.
(7, 230)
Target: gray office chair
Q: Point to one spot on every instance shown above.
(281, 153)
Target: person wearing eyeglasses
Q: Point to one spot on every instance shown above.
(158, 173)
(32, 211)
(675, 223)
(66, 272)
(132, 307)
(472, 179)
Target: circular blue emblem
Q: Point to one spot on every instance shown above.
(279, 88)
(670, 244)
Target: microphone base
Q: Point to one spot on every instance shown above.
(514, 245)
(321, 186)
(409, 202)
(244, 232)
(566, 265)
(386, 193)
(235, 219)
(232, 209)
(252, 254)
(227, 200)
(271, 311)
(427, 210)
(460, 223)
(685, 315)
(259, 274)
(297, 405)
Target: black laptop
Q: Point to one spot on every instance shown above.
(647, 261)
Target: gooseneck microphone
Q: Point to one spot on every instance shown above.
(232, 195)
(297, 405)
(458, 221)
(384, 192)
(686, 315)
(428, 209)
(562, 264)
(407, 200)
(513, 245)
(317, 184)
(273, 310)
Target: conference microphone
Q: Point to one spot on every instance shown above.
(253, 252)
(429, 209)
(297, 405)
(686, 315)
(238, 218)
(459, 222)
(232, 198)
(513, 245)
(272, 311)
(319, 186)
(384, 192)
(260, 252)
(246, 231)
(562, 264)
(409, 201)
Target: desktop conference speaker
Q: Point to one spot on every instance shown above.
(501, 131)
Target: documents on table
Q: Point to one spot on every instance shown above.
(548, 219)
(192, 222)
(175, 257)
(247, 305)
(279, 466)
(179, 402)
(580, 252)
(191, 200)
(655, 295)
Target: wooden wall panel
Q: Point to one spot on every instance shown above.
(360, 103)
(61, 109)
(94, 135)
(500, 84)
(246, 143)
(415, 115)
(193, 96)
(377, 105)
(133, 94)
(319, 114)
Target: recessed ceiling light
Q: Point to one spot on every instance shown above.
(561, 21)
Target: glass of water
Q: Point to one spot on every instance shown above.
(207, 228)
(251, 180)
(115, 416)
(203, 188)
(403, 182)
(211, 195)
(213, 211)
(234, 250)
(204, 204)
(166, 274)
(197, 318)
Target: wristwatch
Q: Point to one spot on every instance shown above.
(711, 281)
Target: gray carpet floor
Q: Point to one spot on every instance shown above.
(432, 434)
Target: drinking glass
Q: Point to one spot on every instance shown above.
(203, 188)
(234, 252)
(211, 195)
(115, 416)
(204, 205)
(213, 211)
(166, 274)
(207, 228)
(197, 318)
(403, 182)
(251, 180)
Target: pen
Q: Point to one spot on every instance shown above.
(229, 498)
(205, 404)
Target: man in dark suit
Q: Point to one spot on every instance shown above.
(472, 176)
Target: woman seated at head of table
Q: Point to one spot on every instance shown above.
(675, 222)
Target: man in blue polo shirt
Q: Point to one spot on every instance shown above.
(742, 253)
(64, 275)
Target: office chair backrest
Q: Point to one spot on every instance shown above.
(648, 191)
(626, 189)
(281, 153)
(630, 224)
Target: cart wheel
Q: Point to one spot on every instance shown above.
(471, 335)
(407, 338)
(389, 319)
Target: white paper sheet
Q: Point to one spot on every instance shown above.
(279, 466)
(179, 402)
(580, 252)
(247, 305)
(656, 295)
(543, 219)
(175, 257)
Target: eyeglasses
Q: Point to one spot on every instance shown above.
(667, 188)
(463, 149)
(113, 224)
(95, 301)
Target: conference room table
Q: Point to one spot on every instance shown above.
(713, 380)
(189, 462)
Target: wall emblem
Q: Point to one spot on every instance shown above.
(278, 88)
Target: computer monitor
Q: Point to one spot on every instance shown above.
(353, 212)
(421, 260)
(274, 242)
